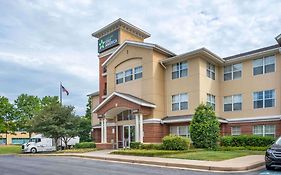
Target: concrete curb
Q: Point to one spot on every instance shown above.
(165, 164)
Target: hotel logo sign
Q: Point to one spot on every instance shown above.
(108, 41)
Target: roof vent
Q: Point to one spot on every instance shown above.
(278, 39)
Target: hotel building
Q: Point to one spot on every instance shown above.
(147, 92)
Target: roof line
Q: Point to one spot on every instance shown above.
(121, 21)
(193, 52)
(126, 98)
(252, 52)
(141, 44)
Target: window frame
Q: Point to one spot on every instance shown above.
(209, 70)
(138, 73)
(122, 78)
(211, 100)
(234, 131)
(263, 132)
(129, 75)
(264, 64)
(179, 69)
(232, 71)
(179, 102)
(232, 102)
(177, 129)
(264, 99)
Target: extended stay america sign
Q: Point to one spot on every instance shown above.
(108, 41)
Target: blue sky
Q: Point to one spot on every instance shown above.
(45, 42)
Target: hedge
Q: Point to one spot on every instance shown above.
(85, 145)
(246, 141)
(173, 142)
(138, 145)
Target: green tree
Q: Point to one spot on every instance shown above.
(84, 129)
(204, 127)
(8, 122)
(89, 109)
(26, 108)
(56, 121)
(48, 100)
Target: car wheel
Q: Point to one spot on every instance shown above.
(269, 167)
(33, 150)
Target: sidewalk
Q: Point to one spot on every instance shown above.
(237, 164)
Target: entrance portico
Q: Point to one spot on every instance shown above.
(121, 120)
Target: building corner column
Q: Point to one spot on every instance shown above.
(102, 131)
(105, 131)
(141, 128)
(137, 128)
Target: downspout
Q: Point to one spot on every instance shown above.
(163, 65)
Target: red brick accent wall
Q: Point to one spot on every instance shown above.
(247, 128)
(96, 134)
(123, 103)
(110, 135)
(154, 132)
(102, 79)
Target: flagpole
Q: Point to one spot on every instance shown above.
(60, 94)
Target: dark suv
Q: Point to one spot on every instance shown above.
(273, 155)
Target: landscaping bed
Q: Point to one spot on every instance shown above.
(10, 149)
(77, 150)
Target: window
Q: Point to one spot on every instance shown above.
(211, 100)
(19, 141)
(180, 102)
(264, 65)
(264, 99)
(138, 72)
(179, 70)
(235, 130)
(233, 103)
(119, 77)
(179, 131)
(264, 130)
(211, 71)
(232, 72)
(128, 75)
(125, 115)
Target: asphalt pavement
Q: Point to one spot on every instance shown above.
(25, 165)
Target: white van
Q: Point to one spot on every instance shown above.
(39, 143)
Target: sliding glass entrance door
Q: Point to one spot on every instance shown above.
(128, 135)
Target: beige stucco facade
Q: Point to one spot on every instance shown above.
(14, 138)
(156, 86)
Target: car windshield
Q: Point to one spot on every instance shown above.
(278, 142)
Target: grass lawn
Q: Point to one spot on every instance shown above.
(82, 150)
(149, 153)
(193, 154)
(214, 155)
(10, 149)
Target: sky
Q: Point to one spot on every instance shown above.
(44, 42)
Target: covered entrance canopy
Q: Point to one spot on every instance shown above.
(118, 102)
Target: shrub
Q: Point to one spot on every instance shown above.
(246, 141)
(152, 146)
(85, 145)
(173, 142)
(136, 145)
(251, 148)
(204, 128)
